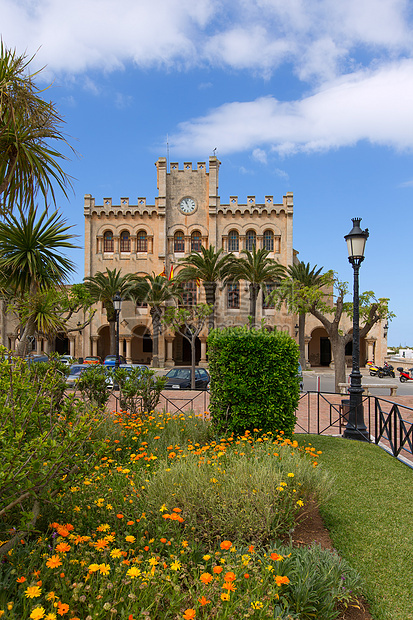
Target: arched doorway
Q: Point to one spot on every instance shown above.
(62, 344)
(319, 348)
(182, 351)
(104, 342)
(349, 351)
(141, 345)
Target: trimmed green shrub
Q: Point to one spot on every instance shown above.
(254, 382)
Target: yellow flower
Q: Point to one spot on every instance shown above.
(130, 539)
(50, 616)
(104, 569)
(93, 568)
(33, 591)
(290, 475)
(257, 605)
(153, 562)
(225, 596)
(50, 596)
(116, 553)
(176, 565)
(133, 572)
(37, 613)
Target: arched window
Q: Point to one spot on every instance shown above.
(233, 295)
(124, 241)
(268, 240)
(250, 240)
(268, 300)
(189, 294)
(141, 241)
(108, 241)
(196, 241)
(179, 241)
(233, 241)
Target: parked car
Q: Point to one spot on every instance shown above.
(74, 373)
(36, 357)
(110, 360)
(68, 360)
(113, 385)
(92, 359)
(179, 378)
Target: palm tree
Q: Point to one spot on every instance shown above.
(256, 268)
(30, 258)
(208, 266)
(300, 277)
(28, 125)
(156, 291)
(103, 286)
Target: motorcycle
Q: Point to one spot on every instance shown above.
(405, 375)
(382, 371)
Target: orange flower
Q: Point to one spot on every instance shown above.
(120, 516)
(246, 575)
(228, 585)
(176, 510)
(62, 547)
(251, 548)
(189, 614)
(54, 561)
(226, 544)
(163, 540)
(21, 579)
(217, 570)
(206, 577)
(280, 580)
(203, 601)
(101, 543)
(62, 608)
(230, 576)
(276, 557)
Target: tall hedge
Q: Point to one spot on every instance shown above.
(254, 383)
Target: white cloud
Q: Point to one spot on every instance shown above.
(320, 39)
(260, 155)
(367, 105)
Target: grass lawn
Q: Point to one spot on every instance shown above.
(370, 519)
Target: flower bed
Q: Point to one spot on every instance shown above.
(177, 523)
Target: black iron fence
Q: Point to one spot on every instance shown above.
(388, 423)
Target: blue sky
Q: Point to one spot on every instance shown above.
(309, 96)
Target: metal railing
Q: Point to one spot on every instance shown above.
(388, 423)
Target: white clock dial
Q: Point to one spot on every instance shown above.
(187, 205)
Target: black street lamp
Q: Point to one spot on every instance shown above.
(117, 304)
(356, 428)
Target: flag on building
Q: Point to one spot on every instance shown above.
(198, 282)
(171, 273)
(163, 273)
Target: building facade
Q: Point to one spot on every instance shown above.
(143, 239)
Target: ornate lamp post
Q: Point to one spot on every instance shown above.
(356, 429)
(117, 304)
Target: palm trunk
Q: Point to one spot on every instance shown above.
(254, 290)
(112, 337)
(156, 323)
(29, 330)
(210, 292)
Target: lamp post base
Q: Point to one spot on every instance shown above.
(359, 434)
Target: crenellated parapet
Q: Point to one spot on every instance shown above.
(253, 208)
(124, 209)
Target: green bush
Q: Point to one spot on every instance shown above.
(93, 385)
(254, 382)
(139, 389)
(45, 443)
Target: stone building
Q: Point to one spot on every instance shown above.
(188, 213)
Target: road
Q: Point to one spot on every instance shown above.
(326, 378)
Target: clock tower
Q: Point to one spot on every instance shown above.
(187, 200)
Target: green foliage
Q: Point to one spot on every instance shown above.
(93, 385)
(254, 383)
(42, 441)
(29, 126)
(139, 389)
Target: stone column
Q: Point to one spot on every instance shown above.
(72, 339)
(169, 362)
(370, 349)
(128, 349)
(161, 351)
(12, 341)
(203, 361)
(39, 342)
(94, 340)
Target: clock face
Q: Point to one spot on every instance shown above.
(187, 205)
